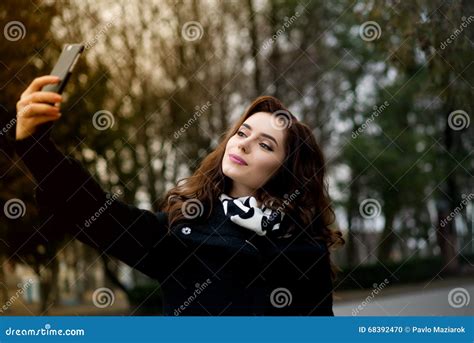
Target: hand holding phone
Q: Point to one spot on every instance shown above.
(36, 109)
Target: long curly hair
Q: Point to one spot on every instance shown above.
(302, 173)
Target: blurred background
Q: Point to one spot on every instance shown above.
(386, 86)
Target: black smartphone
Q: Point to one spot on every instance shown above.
(64, 66)
(63, 69)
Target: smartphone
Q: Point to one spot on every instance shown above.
(64, 66)
(63, 69)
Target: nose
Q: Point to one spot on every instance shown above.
(243, 146)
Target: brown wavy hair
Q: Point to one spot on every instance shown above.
(303, 172)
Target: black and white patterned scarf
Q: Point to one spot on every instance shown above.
(244, 212)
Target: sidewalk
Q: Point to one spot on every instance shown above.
(409, 299)
(421, 299)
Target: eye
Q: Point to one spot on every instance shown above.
(265, 146)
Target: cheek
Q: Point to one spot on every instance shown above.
(270, 160)
(230, 144)
(266, 165)
(228, 148)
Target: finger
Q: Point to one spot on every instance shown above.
(42, 97)
(43, 119)
(38, 83)
(33, 110)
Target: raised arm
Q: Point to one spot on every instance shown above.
(71, 200)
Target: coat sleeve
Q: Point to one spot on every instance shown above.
(298, 275)
(70, 200)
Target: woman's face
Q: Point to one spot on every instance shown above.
(260, 143)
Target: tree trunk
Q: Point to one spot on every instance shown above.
(388, 238)
(446, 232)
(352, 257)
(3, 283)
(254, 38)
(112, 275)
(275, 57)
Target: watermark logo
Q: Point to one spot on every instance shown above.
(103, 30)
(103, 120)
(369, 208)
(21, 289)
(466, 199)
(281, 120)
(103, 297)
(8, 126)
(280, 211)
(281, 297)
(287, 24)
(377, 110)
(199, 288)
(14, 31)
(199, 111)
(458, 297)
(458, 120)
(370, 31)
(14, 208)
(192, 31)
(110, 199)
(370, 297)
(464, 24)
(192, 208)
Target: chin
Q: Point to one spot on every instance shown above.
(231, 173)
(227, 171)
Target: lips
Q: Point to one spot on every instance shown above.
(237, 159)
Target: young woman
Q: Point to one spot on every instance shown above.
(247, 234)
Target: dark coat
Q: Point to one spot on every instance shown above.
(206, 267)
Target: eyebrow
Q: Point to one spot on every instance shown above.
(262, 134)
